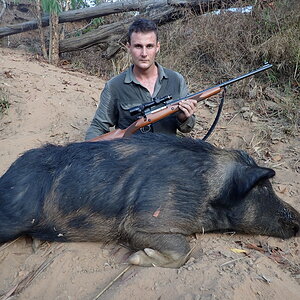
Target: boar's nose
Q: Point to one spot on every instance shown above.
(290, 227)
(290, 220)
(296, 230)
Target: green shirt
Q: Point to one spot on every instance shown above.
(123, 92)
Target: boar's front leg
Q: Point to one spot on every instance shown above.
(161, 250)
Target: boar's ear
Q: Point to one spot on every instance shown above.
(246, 178)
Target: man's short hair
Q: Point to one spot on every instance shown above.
(142, 25)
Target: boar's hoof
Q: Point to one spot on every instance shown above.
(150, 257)
(36, 244)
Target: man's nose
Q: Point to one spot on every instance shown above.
(144, 51)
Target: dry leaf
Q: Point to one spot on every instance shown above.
(235, 250)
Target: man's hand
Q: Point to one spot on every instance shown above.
(188, 108)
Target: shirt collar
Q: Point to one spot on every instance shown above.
(129, 77)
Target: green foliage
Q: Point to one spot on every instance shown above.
(51, 6)
(95, 23)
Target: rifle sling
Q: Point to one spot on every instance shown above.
(216, 120)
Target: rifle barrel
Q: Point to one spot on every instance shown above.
(263, 68)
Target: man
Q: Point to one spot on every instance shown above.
(139, 84)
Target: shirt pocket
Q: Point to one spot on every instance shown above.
(125, 117)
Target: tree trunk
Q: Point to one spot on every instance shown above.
(113, 33)
(3, 8)
(108, 8)
(40, 27)
(54, 39)
(63, 28)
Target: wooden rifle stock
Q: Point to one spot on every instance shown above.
(171, 108)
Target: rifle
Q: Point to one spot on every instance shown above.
(169, 106)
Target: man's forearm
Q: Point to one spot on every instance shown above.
(96, 128)
(187, 125)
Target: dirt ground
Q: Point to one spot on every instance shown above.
(55, 105)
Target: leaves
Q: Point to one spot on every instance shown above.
(52, 6)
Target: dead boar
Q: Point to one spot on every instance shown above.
(149, 192)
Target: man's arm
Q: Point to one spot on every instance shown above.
(187, 125)
(105, 116)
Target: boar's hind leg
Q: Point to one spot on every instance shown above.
(150, 257)
(162, 250)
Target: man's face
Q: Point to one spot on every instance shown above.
(143, 48)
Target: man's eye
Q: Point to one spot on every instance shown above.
(150, 46)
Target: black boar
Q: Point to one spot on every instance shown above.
(149, 191)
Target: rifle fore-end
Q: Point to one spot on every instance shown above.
(206, 94)
(114, 134)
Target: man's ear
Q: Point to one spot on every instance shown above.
(246, 178)
(157, 47)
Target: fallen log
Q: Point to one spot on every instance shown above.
(102, 10)
(117, 31)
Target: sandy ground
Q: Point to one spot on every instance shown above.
(50, 104)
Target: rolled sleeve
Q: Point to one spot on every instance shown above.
(187, 125)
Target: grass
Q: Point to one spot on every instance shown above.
(210, 49)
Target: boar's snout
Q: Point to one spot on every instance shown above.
(289, 219)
